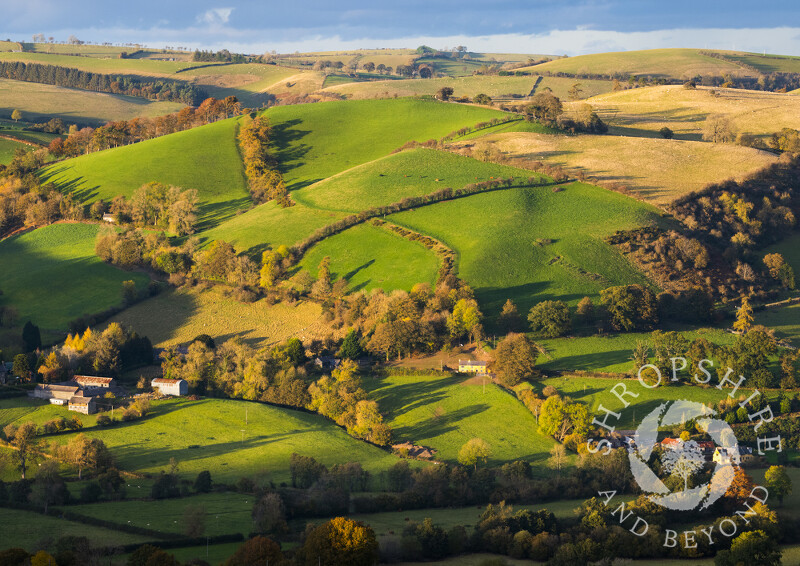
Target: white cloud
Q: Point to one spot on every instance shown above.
(215, 16)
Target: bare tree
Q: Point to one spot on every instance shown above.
(683, 461)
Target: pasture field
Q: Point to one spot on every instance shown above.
(785, 320)
(16, 130)
(315, 141)
(560, 86)
(369, 257)
(52, 275)
(249, 81)
(20, 410)
(173, 160)
(143, 67)
(656, 63)
(656, 170)
(595, 391)
(207, 435)
(226, 512)
(176, 316)
(28, 530)
(445, 412)
(768, 63)
(90, 50)
(644, 111)
(40, 102)
(414, 172)
(388, 57)
(494, 86)
(610, 352)
(452, 67)
(7, 149)
(534, 244)
(791, 503)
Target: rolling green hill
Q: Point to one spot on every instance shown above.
(207, 435)
(205, 158)
(445, 412)
(7, 149)
(666, 63)
(51, 275)
(40, 102)
(533, 244)
(768, 63)
(370, 257)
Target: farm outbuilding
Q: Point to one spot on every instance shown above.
(93, 382)
(176, 387)
(85, 405)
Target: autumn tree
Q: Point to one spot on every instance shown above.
(86, 453)
(515, 359)
(465, 320)
(750, 547)
(16, 115)
(744, 317)
(575, 91)
(630, 307)
(340, 541)
(473, 451)
(544, 108)
(269, 514)
(444, 93)
(257, 550)
(558, 457)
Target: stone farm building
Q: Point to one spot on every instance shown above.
(81, 404)
(93, 382)
(57, 394)
(170, 386)
(471, 366)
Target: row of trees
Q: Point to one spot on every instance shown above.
(260, 165)
(156, 89)
(124, 132)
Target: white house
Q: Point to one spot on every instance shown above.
(176, 387)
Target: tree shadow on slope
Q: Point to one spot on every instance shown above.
(288, 150)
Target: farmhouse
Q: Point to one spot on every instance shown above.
(80, 404)
(722, 456)
(176, 387)
(327, 362)
(93, 382)
(57, 394)
(108, 218)
(471, 366)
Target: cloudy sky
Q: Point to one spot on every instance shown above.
(570, 27)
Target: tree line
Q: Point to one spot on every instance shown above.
(157, 89)
(260, 165)
(124, 132)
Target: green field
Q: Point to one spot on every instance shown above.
(595, 391)
(445, 412)
(40, 102)
(207, 435)
(317, 141)
(7, 149)
(370, 257)
(173, 160)
(784, 320)
(23, 409)
(104, 65)
(610, 352)
(31, 530)
(495, 235)
(390, 179)
(656, 63)
(17, 130)
(51, 275)
(768, 63)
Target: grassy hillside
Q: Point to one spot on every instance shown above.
(207, 435)
(494, 86)
(52, 276)
(445, 412)
(317, 141)
(768, 63)
(560, 86)
(533, 244)
(369, 257)
(7, 148)
(205, 158)
(389, 179)
(667, 63)
(656, 170)
(146, 67)
(644, 111)
(177, 316)
(40, 102)
(249, 81)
